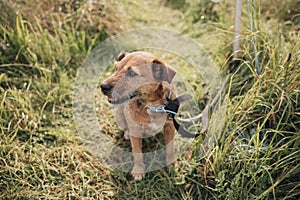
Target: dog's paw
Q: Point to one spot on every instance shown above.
(126, 135)
(138, 173)
(137, 176)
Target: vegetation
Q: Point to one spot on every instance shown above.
(43, 43)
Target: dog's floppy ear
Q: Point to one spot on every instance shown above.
(162, 72)
(121, 56)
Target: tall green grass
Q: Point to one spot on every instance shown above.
(40, 155)
(256, 157)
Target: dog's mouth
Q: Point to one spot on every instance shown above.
(121, 99)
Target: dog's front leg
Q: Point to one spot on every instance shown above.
(138, 166)
(169, 133)
(121, 120)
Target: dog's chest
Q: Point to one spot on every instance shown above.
(157, 121)
(145, 120)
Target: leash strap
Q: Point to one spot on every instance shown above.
(173, 105)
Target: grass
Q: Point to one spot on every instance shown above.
(41, 154)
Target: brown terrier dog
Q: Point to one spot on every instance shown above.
(141, 81)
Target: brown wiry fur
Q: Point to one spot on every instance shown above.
(141, 80)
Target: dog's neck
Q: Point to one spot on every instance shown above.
(144, 102)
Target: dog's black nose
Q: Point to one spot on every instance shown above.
(105, 87)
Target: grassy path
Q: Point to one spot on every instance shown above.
(165, 14)
(139, 14)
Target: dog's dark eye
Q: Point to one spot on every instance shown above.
(131, 73)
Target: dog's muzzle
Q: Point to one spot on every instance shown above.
(107, 90)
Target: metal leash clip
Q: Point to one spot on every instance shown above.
(159, 108)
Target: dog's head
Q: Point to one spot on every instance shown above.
(133, 70)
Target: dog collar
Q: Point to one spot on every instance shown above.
(173, 105)
(172, 108)
(160, 108)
